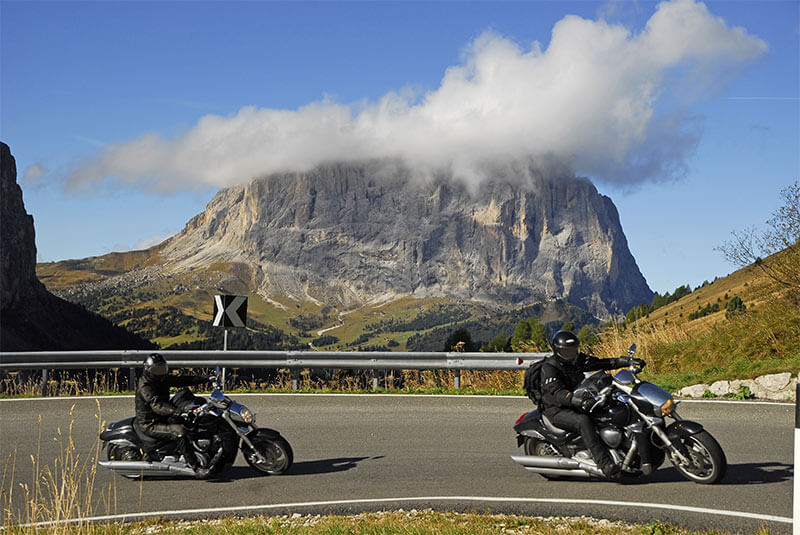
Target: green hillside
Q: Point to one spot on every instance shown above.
(176, 312)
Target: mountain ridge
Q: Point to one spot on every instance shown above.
(350, 234)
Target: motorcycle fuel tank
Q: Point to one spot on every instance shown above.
(614, 413)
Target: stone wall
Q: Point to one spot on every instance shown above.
(776, 387)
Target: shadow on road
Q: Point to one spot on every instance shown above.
(327, 466)
(737, 474)
(303, 468)
(754, 473)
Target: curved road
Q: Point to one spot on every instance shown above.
(373, 452)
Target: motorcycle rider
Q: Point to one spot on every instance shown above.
(154, 408)
(560, 375)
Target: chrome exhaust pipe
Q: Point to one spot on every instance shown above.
(558, 466)
(144, 468)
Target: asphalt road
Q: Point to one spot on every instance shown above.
(363, 453)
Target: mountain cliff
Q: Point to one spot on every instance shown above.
(349, 234)
(32, 319)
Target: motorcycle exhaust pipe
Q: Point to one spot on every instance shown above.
(144, 468)
(557, 466)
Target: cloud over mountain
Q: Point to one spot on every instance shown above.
(595, 99)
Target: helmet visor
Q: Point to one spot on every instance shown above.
(568, 353)
(158, 370)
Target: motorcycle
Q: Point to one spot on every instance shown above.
(630, 417)
(216, 430)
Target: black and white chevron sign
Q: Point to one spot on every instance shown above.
(230, 310)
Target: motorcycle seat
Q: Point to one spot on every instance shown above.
(552, 428)
(148, 442)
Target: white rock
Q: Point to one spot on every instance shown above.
(720, 388)
(694, 391)
(775, 382)
(737, 384)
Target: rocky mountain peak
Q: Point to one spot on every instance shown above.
(348, 234)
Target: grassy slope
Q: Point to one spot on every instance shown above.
(764, 339)
(679, 351)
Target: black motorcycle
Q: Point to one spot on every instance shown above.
(630, 416)
(216, 429)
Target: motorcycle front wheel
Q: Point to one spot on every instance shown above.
(706, 460)
(277, 453)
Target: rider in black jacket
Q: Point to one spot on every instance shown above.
(154, 408)
(560, 375)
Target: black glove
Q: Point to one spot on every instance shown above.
(638, 363)
(583, 401)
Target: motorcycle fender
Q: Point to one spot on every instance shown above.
(263, 432)
(528, 433)
(114, 435)
(683, 428)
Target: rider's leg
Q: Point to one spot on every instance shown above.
(575, 421)
(178, 433)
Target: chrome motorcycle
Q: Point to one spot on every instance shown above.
(216, 429)
(630, 417)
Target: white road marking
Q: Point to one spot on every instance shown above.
(368, 501)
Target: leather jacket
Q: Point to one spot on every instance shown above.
(560, 378)
(152, 398)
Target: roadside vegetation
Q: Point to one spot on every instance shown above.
(387, 523)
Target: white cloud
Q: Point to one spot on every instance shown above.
(589, 100)
(34, 172)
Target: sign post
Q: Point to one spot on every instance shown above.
(229, 311)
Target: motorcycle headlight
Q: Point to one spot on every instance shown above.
(247, 416)
(668, 407)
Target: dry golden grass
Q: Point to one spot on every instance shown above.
(61, 494)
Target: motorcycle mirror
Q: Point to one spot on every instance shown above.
(632, 350)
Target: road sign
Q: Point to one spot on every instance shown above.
(230, 310)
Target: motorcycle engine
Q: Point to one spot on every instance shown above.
(611, 436)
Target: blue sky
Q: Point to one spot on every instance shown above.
(110, 115)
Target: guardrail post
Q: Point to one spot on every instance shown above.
(132, 378)
(44, 382)
(295, 379)
(457, 379)
(375, 374)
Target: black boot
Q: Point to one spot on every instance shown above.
(188, 453)
(604, 462)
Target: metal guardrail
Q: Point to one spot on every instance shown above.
(293, 360)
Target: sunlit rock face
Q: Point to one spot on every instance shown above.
(354, 233)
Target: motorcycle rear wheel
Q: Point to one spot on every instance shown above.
(707, 460)
(117, 452)
(278, 453)
(539, 448)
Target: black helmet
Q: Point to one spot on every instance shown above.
(155, 367)
(565, 345)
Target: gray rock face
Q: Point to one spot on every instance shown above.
(349, 234)
(17, 238)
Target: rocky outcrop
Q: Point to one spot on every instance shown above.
(17, 245)
(31, 318)
(350, 234)
(775, 387)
